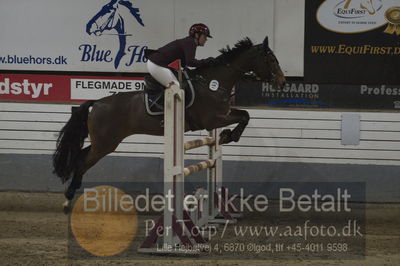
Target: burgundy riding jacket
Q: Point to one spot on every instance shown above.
(183, 49)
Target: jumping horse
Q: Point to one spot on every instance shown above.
(116, 117)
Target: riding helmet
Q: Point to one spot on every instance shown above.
(199, 28)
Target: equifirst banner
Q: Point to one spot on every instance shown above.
(352, 41)
(63, 89)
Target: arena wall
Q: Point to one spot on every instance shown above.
(278, 145)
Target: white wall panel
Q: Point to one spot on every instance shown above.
(229, 21)
(271, 136)
(289, 36)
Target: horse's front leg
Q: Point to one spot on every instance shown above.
(235, 116)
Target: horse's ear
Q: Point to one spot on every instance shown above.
(265, 44)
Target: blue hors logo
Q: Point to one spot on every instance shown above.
(111, 20)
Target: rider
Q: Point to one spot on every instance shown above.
(183, 49)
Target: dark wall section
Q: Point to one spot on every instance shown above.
(300, 94)
(33, 173)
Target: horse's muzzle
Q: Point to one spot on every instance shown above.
(279, 82)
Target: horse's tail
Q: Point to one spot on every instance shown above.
(70, 142)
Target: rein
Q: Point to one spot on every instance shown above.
(241, 70)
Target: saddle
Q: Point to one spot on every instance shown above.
(154, 93)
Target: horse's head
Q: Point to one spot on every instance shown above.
(104, 19)
(265, 65)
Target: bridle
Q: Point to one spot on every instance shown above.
(242, 71)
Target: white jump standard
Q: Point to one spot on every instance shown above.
(175, 232)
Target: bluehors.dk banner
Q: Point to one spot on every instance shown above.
(73, 35)
(352, 41)
(111, 35)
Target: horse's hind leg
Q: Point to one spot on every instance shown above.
(89, 157)
(76, 179)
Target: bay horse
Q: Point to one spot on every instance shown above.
(116, 117)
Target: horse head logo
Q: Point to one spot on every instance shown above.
(368, 5)
(112, 16)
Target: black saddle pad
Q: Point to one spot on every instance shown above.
(154, 95)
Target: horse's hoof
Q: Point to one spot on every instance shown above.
(67, 207)
(223, 140)
(225, 136)
(235, 136)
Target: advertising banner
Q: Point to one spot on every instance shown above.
(90, 35)
(352, 41)
(298, 93)
(63, 89)
(111, 35)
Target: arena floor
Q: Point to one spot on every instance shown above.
(34, 231)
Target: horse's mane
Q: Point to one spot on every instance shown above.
(228, 54)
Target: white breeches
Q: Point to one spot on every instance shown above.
(161, 74)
